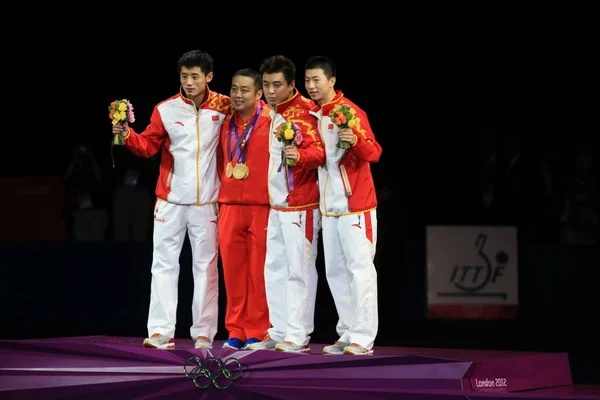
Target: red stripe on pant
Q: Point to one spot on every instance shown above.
(310, 225)
(243, 245)
(368, 226)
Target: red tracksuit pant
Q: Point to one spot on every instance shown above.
(242, 244)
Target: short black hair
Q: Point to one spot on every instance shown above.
(279, 63)
(250, 73)
(196, 58)
(322, 62)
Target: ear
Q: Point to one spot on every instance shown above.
(209, 77)
(332, 80)
(259, 94)
(293, 83)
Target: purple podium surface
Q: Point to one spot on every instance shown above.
(100, 367)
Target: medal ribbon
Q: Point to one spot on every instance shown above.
(288, 173)
(241, 141)
(290, 177)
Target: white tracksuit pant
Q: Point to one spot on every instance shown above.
(291, 274)
(349, 243)
(171, 221)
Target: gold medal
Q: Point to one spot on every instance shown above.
(240, 171)
(229, 170)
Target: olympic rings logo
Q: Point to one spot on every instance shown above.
(212, 371)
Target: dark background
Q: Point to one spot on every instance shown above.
(432, 90)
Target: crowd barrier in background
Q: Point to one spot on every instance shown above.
(455, 272)
(105, 285)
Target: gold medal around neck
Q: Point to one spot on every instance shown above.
(229, 170)
(241, 171)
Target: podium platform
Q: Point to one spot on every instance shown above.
(106, 367)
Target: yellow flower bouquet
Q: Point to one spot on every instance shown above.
(344, 117)
(120, 112)
(288, 133)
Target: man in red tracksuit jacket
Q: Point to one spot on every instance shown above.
(185, 129)
(243, 158)
(295, 219)
(348, 203)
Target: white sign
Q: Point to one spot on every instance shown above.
(471, 266)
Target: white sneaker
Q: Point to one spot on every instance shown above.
(266, 344)
(202, 342)
(336, 348)
(357, 350)
(292, 347)
(158, 341)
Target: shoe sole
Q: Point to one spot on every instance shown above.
(305, 350)
(168, 346)
(203, 346)
(368, 353)
(259, 348)
(226, 346)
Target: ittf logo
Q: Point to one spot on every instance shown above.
(472, 278)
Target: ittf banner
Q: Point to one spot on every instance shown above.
(472, 272)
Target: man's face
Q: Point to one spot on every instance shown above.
(318, 87)
(194, 81)
(243, 94)
(276, 88)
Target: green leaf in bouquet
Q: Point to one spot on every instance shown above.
(118, 140)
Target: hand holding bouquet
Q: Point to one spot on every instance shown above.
(288, 133)
(120, 112)
(344, 117)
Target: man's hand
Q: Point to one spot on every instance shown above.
(346, 135)
(291, 152)
(120, 129)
